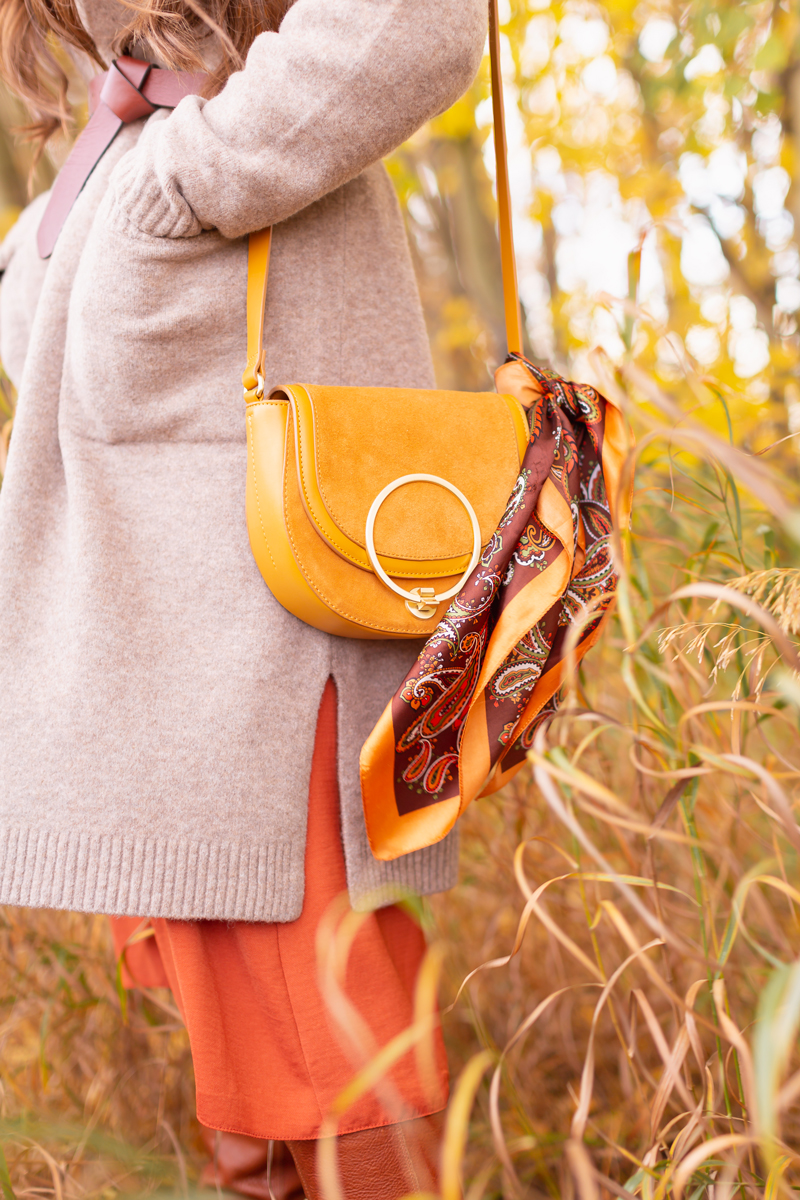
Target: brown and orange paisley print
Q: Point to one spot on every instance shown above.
(465, 716)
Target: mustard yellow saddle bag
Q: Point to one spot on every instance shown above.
(365, 513)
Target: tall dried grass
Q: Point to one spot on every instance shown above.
(644, 1037)
(97, 1092)
(620, 965)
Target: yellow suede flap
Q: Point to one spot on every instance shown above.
(353, 442)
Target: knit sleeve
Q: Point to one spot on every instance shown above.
(340, 85)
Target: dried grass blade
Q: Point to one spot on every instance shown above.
(587, 1075)
(668, 806)
(426, 1019)
(582, 1170)
(498, 1137)
(531, 906)
(630, 940)
(668, 1080)
(701, 1154)
(5, 1178)
(545, 785)
(170, 1132)
(753, 474)
(335, 935)
(667, 1055)
(53, 1167)
(789, 1092)
(640, 827)
(776, 792)
(634, 881)
(328, 1166)
(378, 1066)
(734, 1035)
(733, 706)
(691, 1024)
(457, 1124)
(616, 1189)
(582, 782)
(774, 1040)
(773, 1189)
(689, 1134)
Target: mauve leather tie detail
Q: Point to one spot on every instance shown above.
(122, 94)
(130, 90)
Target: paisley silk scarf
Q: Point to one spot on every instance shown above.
(464, 718)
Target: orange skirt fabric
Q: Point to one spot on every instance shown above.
(267, 1057)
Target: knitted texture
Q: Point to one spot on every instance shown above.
(159, 705)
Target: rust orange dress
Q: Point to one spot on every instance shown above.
(267, 1058)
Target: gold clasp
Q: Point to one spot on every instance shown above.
(424, 606)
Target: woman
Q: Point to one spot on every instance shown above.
(161, 710)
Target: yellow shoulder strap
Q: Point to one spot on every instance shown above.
(257, 276)
(258, 253)
(507, 260)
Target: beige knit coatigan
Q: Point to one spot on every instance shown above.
(159, 706)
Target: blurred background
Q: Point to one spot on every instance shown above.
(642, 1039)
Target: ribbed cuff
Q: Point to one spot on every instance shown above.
(153, 877)
(141, 204)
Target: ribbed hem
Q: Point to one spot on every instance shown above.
(373, 884)
(153, 877)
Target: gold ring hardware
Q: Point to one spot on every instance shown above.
(421, 601)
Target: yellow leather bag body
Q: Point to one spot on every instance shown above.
(364, 516)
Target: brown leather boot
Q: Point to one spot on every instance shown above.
(378, 1164)
(241, 1164)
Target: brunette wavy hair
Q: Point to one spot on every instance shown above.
(174, 31)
